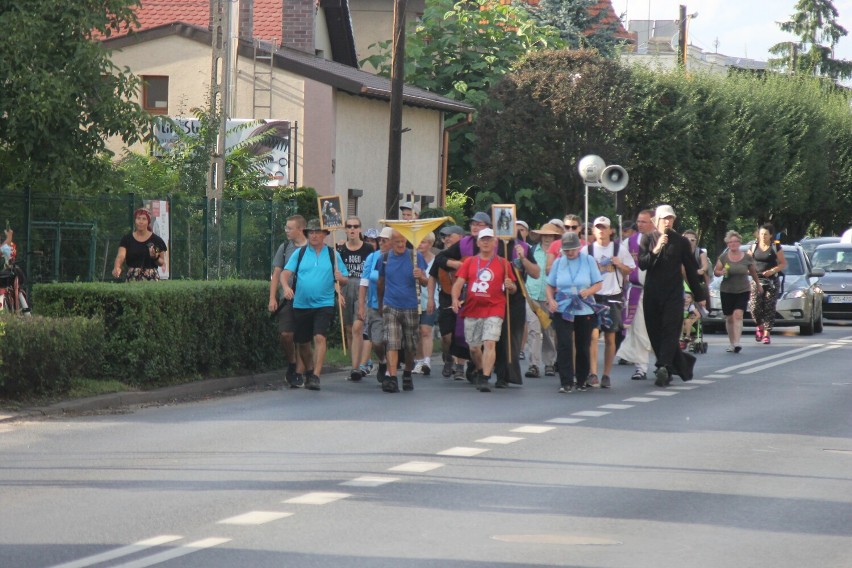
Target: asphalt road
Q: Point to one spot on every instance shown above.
(748, 465)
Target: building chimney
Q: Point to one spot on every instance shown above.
(247, 20)
(299, 22)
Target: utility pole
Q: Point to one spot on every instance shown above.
(681, 40)
(397, 82)
(219, 97)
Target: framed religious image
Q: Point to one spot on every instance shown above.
(503, 220)
(330, 212)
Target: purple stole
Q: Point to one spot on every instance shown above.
(635, 290)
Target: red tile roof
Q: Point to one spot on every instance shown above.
(154, 13)
(610, 18)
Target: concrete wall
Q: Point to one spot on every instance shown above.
(362, 152)
(372, 21)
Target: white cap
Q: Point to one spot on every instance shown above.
(485, 233)
(409, 205)
(558, 223)
(386, 233)
(664, 211)
(523, 224)
(602, 221)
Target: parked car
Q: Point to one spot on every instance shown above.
(811, 243)
(836, 260)
(799, 304)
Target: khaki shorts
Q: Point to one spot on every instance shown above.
(350, 293)
(479, 330)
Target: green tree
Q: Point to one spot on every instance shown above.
(60, 95)
(460, 50)
(553, 109)
(578, 26)
(815, 23)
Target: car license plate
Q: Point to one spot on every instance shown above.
(835, 299)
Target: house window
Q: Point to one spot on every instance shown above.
(352, 202)
(155, 94)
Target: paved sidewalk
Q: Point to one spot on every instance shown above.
(134, 398)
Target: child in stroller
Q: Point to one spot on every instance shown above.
(692, 336)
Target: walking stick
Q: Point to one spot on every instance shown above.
(340, 301)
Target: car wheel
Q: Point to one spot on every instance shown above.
(808, 328)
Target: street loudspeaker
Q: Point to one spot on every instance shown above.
(590, 168)
(614, 178)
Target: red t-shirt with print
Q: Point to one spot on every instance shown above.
(485, 297)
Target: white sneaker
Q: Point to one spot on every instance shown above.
(418, 368)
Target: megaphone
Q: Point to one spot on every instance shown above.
(614, 178)
(590, 168)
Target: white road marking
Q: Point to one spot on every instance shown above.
(567, 420)
(416, 467)
(591, 413)
(787, 360)
(771, 358)
(640, 399)
(119, 552)
(499, 440)
(175, 552)
(617, 406)
(717, 376)
(701, 382)
(661, 393)
(533, 429)
(684, 388)
(370, 481)
(318, 498)
(460, 451)
(254, 518)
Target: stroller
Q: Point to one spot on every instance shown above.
(692, 337)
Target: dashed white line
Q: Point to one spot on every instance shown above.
(617, 406)
(175, 552)
(460, 451)
(119, 552)
(254, 518)
(370, 481)
(318, 498)
(684, 388)
(717, 376)
(591, 413)
(701, 382)
(533, 429)
(640, 399)
(567, 420)
(499, 440)
(787, 360)
(416, 467)
(661, 393)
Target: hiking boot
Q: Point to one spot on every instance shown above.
(425, 369)
(407, 384)
(312, 383)
(355, 375)
(605, 382)
(549, 370)
(458, 372)
(447, 370)
(389, 384)
(663, 378)
(532, 372)
(481, 382)
(297, 381)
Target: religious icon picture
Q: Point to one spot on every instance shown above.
(330, 212)
(503, 220)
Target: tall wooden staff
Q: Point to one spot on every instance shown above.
(503, 220)
(332, 199)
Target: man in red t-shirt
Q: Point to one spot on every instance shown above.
(487, 276)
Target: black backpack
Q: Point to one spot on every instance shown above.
(301, 255)
(590, 248)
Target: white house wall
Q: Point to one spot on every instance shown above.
(361, 155)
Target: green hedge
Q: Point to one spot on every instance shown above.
(157, 331)
(41, 355)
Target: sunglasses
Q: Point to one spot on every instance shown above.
(353, 226)
(572, 226)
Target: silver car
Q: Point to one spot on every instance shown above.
(800, 303)
(836, 260)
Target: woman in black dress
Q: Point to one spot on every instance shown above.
(142, 250)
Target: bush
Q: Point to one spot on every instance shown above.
(158, 331)
(40, 356)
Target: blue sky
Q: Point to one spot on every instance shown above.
(743, 28)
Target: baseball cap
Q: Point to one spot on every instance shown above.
(664, 211)
(386, 233)
(570, 241)
(558, 223)
(523, 224)
(481, 217)
(371, 233)
(452, 230)
(409, 205)
(602, 221)
(485, 233)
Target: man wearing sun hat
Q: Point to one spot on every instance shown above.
(666, 255)
(542, 342)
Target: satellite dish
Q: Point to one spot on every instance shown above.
(675, 40)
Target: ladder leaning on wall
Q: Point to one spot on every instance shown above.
(261, 101)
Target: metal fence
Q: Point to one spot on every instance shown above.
(70, 238)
